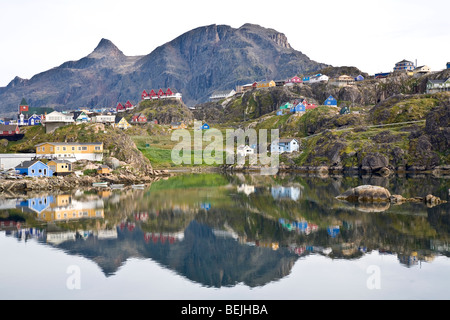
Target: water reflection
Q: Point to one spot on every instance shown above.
(222, 230)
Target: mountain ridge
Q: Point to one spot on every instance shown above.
(196, 63)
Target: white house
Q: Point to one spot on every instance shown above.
(219, 95)
(55, 120)
(280, 192)
(318, 78)
(104, 118)
(284, 145)
(244, 150)
(441, 85)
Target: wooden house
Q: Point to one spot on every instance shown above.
(122, 123)
(71, 151)
(128, 105)
(60, 167)
(139, 118)
(439, 85)
(284, 145)
(103, 169)
(265, 84)
(120, 107)
(404, 65)
(10, 132)
(34, 168)
(178, 125)
(80, 117)
(295, 79)
(55, 120)
(330, 101)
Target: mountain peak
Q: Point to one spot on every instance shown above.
(105, 48)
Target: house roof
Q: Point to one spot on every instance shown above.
(23, 102)
(404, 60)
(8, 127)
(27, 164)
(59, 161)
(69, 143)
(286, 140)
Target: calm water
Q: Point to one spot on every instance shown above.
(239, 237)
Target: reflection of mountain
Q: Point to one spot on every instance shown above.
(202, 255)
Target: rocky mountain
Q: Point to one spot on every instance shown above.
(197, 63)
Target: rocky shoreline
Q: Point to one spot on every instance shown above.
(73, 181)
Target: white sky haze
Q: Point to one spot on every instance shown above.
(37, 35)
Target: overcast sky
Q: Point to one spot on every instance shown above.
(37, 35)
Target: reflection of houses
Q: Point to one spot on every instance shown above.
(267, 244)
(304, 227)
(333, 231)
(280, 192)
(163, 237)
(37, 204)
(64, 207)
(245, 188)
(409, 259)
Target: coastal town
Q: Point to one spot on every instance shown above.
(56, 158)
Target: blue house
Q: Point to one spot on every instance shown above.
(204, 126)
(34, 168)
(300, 107)
(448, 65)
(359, 78)
(331, 101)
(34, 120)
(284, 145)
(37, 204)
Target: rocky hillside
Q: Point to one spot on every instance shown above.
(197, 63)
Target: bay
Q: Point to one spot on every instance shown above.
(227, 237)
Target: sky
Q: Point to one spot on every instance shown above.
(37, 35)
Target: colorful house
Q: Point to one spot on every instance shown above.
(295, 79)
(120, 107)
(178, 125)
(104, 169)
(9, 130)
(139, 118)
(27, 120)
(330, 101)
(60, 167)
(359, 78)
(287, 105)
(122, 123)
(266, 84)
(71, 151)
(80, 117)
(34, 168)
(404, 65)
(284, 145)
(204, 126)
(128, 105)
(55, 120)
(441, 85)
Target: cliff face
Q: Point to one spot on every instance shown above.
(203, 60)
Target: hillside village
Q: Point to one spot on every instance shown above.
(56, 158)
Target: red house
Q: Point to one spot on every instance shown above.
(295, 80)
(120, 107)
(161, 93)
(169, 92)
(144, 95)
(139, 118)
(153, 94)
(128, 105)
(9, 130)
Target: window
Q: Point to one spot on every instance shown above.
(97, 148)
(43, 149)
(57, 148)
(39, 149)
(64, 148)
(73, 148)
(84, 148)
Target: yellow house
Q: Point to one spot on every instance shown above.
(103, 169)
(122, 123)
(266, 84)
(66, 208)
(70, 151)
(178, 125)
(60, 167)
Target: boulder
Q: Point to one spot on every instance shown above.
(366, 193)
(374, 162)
